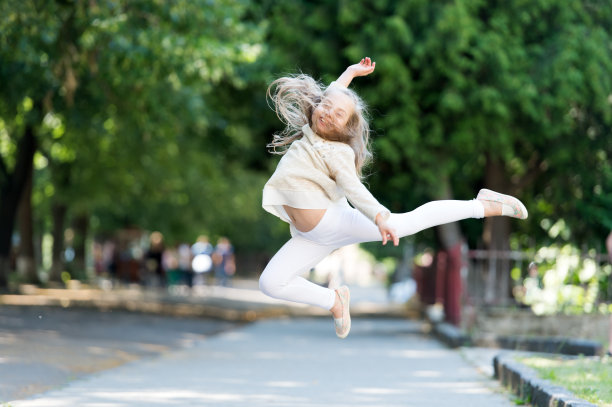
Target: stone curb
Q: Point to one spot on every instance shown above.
(560, 345)
(206, 307)
(452, 336)
(524, 382)
(455, 337)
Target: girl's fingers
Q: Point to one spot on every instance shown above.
(390, 235)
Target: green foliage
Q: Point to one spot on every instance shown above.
(460, 86)
(153, 114)
(564, 282)
(464, 84)
(128, 92)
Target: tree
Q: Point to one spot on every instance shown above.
(513, 96)
(490, 94)
(127, 78)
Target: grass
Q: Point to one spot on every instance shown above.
(588, 378)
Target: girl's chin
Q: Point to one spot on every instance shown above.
(319, 128)
(321, 131)
(326, 132)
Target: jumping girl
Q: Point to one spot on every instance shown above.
(324, 147)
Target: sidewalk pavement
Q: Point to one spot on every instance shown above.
(294, 362)
(293, 359)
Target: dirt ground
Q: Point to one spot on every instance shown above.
(42, 348)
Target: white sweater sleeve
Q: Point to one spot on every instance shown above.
(342, 169)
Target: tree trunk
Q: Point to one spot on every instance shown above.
(38, 245)
(61, 176)
(11, 189)
(452, 240)
(450, 233)
(496, 236)
(81, 228)
(58, 213)
(26, 260)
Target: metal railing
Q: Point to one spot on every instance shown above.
(487, 273)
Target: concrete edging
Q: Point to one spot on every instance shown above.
(455, 337)
(524, 382)
(556, 345)
(452, 336)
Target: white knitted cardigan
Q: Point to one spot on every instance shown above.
(315, 173)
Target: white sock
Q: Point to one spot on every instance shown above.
(479, 209)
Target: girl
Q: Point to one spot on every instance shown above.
(325, 146)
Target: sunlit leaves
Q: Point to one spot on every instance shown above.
(8, 146)
(127, 90)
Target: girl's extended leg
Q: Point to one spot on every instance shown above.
(281, 277)
(360, 229)
(433, 214)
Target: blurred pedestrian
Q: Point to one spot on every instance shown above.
(184, 261)
(224, 261)
(202, 246)
(325, 145)
(202, 263)
(153, 259)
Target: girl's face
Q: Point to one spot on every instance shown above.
(331, 115)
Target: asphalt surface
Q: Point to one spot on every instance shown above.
(82, 347)
(284, 362)
(44, 348)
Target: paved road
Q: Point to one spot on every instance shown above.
(42, 348)
(292, 362)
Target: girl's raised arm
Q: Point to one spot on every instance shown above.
(363, 68)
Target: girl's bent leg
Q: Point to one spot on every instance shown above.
(281, 277)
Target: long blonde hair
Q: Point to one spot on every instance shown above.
(295, 98)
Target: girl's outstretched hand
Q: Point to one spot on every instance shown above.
(363, 68)
(386, 232)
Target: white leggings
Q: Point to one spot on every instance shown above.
(340, 226)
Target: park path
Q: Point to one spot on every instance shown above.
(294, 362)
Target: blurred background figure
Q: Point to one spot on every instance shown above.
(201, 264)
(184, 263)
(153, 260)
(109, 259)
(202, 246)
(170, 264)
(224, 262)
